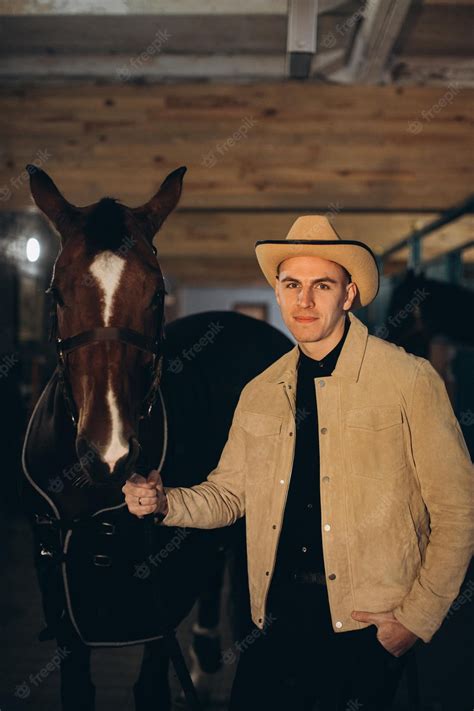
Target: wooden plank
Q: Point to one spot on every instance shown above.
(265, 146)
(163, 34)
(233, 234)
(439, 29)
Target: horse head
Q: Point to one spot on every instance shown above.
(108, 293)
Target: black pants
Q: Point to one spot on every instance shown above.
(297, 661)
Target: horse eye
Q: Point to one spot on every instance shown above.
(157, 300)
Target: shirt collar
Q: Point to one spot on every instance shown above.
(348, 364)
(329, 361)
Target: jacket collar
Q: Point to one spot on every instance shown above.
(348, 364)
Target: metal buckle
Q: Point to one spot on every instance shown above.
(59, 349)
(101, 561)
(45, 551)
(43, 520)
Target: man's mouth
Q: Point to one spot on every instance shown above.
(305, 319)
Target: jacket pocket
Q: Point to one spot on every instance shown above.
(375, 441)
(262, 444)
(260, 424)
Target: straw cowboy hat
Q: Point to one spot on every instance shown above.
(314, 236)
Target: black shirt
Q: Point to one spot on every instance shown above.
(300, 545)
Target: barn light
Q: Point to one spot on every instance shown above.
(33, 249)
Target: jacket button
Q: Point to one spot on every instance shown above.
(322, 383)
(282, 481)
(325, 479)
(338, 624)
(291, 434)
(260, 619)
(274, 526)
(324, 430)
(327, 527)
(304, 549)
(332, 576)
(267, 572)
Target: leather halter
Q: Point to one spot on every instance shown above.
(116, 334)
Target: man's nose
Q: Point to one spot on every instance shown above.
(306, 298)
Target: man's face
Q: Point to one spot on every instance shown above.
(313, 296)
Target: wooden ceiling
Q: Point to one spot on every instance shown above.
(290, 146)
(379, 137)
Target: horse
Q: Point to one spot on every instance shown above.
(421, 309)
(431, 319)
(129, 393)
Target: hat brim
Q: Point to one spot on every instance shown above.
(356, 257)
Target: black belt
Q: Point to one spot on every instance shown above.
(308, 576)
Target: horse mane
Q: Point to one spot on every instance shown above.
(105, 227)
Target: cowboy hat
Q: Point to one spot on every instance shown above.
(314, 236)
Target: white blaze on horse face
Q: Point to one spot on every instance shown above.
(107, 268)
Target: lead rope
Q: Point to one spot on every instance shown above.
(165, 430)
(173, 647)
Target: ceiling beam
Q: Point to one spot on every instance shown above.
(432, 71)
(381, 22)
(151, 7)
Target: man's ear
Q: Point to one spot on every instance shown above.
(277, 292)
(48, 198)
(351, 293)
(154, 212)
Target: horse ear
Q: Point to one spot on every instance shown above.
(157, 209)
(48, 198)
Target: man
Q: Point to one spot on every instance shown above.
(352, 472)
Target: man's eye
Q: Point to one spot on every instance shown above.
(323, 285)
(291, 285)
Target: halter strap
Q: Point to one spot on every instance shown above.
(108, 333)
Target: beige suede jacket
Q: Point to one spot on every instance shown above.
(396, 480)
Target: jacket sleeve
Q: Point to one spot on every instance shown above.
(218, 501)
(445, 474)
